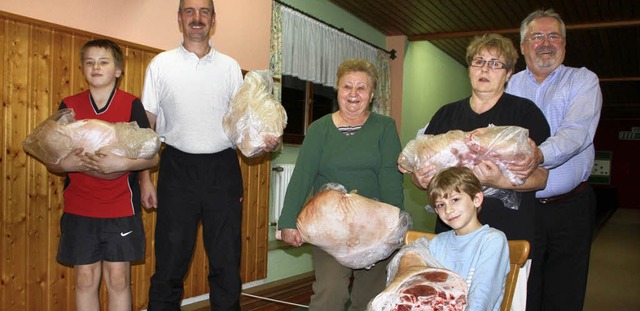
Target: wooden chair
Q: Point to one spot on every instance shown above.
(518, 253)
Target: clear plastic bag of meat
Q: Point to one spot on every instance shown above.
(417, 281)
(54, 138)
(442, 151)
(355, 230)
(510, 198)
(254, 116)
(500, 144)
(421, 248)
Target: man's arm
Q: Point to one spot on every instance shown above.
(148, 194)
(491, 175)
(152, 120)
(576, 130)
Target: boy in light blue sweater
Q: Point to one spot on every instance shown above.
(477, 252)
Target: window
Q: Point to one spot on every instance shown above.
(304, 102)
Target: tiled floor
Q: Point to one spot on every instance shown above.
(614, 272)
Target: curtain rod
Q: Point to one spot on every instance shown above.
(392, 53)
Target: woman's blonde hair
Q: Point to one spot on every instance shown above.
(358, 65)
(493, 42)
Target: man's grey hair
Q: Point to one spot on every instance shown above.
(181, 5)
(524, 26)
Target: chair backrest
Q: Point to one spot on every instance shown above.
(518, 253)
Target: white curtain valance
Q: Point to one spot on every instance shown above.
(312, 51)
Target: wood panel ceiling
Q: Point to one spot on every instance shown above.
(602, 35)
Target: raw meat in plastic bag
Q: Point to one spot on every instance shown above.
(503, 145)
(355, 230)
(254, 116)
(443, 150)
(500, 144)
(54, 138)
(417, 281)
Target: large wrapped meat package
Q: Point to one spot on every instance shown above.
(54, 138)
(355, 230)
(417, 281)
(500, 144)
(254, 116)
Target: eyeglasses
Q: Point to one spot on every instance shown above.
(538, 38)
(493, 63)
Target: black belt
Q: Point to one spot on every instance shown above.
(565, 196)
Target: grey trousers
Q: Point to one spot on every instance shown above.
(331, 287)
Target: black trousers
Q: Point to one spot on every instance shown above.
(195, 188)
(560, 263)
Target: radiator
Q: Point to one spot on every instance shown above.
(280, 176)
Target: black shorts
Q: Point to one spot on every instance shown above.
(87, 240)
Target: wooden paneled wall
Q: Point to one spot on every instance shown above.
(40, 66)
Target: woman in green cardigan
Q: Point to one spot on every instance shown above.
(358, 149)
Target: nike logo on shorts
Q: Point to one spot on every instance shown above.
(125, 233)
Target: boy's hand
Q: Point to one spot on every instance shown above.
(76, 161)
(104, 162)
(73, 162)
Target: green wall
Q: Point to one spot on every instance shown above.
(431, 79)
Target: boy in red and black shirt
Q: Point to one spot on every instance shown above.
(101, 228)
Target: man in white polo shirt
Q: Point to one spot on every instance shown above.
(186, 92)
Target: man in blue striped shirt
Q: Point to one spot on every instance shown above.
(571, 100)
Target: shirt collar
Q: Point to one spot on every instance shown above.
(185, 52)
(549, 77)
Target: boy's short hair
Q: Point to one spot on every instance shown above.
(116, 52)
(453, 179)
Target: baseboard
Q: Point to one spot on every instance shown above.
(282, 295)
(295, 290)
